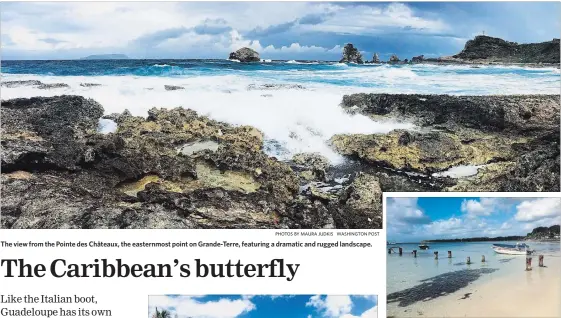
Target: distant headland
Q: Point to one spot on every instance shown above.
(106, 57)
(538, 234)
(482, 49)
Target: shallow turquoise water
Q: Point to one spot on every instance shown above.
(406, 271)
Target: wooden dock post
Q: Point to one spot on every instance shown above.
(435, 255)
(541, 260)
(528, 261)
(468, 261)
(414, 253)
(482, 258)
(400, 251)
(449, 254)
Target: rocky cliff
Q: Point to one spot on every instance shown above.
(486, 48)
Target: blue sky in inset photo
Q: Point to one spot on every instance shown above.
(415, 219)
(265, 306)
(277, 30)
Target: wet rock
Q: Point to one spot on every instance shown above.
(47, 133)
(268, 87)
(351, 55)
(11, 84)
(245, 55)
(423, 152)
(172, 87)
(519, 113)
(512, 140)
(311, 166)
(51, 86)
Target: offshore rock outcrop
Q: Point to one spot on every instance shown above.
(491, 49)
(351, 55)
(514, 140)
(394, 59)
(245, 54)
(173, 169)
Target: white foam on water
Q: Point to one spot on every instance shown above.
(459, 171)
(297, 120)
(106, 126)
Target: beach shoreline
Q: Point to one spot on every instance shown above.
(509, 293)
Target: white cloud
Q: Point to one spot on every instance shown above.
(113, 26)
(538, 209)
(476, 208)
(331, 306)
(186, 306)
(370, 313)
(363, 19)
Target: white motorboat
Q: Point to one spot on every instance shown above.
(517, 249)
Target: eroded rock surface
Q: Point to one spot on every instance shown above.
(514, 140)
(173, 169)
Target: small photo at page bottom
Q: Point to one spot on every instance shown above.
(466, 255)
(263, 306)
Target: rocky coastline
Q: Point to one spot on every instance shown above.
(173, 169)
(177, 169)
(482, 50)
(511, 143)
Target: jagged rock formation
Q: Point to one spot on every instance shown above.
(245, 54)
(173, 169)
(418, 59)
(394, 59)
(490, 49)
(376, 59)
(513, 139)
(351, 55)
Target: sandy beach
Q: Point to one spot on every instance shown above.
(534, 293)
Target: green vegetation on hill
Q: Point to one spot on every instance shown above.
(539, 233)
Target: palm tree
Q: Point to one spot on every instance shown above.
(161, 314)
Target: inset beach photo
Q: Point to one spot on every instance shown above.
(263, 306)
(269, 115)
(473, 257)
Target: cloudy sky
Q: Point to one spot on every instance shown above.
(416, 219)
(293, 306)
(289, 30)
